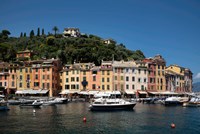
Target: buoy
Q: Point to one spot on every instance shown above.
(173, 125)
(84, 119)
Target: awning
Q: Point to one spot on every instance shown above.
(31, 91)
(154, 92)
(129, 92)
(114, 92)
(68, 92)
(142, 92)
(102, 94)
(83, 92)
(169, 93)
(93, 92)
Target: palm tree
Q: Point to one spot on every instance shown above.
(55, 29)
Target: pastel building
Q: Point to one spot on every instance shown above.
(12, 85)
(4, 75)
(182, 78)
(106, 73)
(160, 73)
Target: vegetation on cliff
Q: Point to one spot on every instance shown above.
(87, 48)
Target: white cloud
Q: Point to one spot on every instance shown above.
(197, 76)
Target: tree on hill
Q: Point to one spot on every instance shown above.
(5, 34)
(38, 31)
(32, 34)
(55, 29)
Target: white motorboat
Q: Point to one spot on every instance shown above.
(107, 104)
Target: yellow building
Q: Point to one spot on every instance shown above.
(106, 73)
(183, 78)
(160, 73)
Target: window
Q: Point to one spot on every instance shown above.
(47, 69)
(94, 72)
(72, 79)
(127, 70)
(28, 77)
(77, 71)
(133, 86)
(145, 71)
(67, 73)
(13, 83)
(36, 76)
(108, 87)
(1, 84)
(108, 72)
(67, 80)
(115, 87)
(84, 78)
(5, 84)
(94, 78)
(84, 72)
(139, 80)
(43, 77)
(36, 70)
(36, 84)
(20, 77)
(145, 80)
(73, 72)
(43, 69)
(122, 78)
(139, 71)
(28, 85)
(142, 87)
(77, 86)
(48, 85)
(122, 87)
(20, 70)
(103, 87)
(133, 70)
(115, 77)
(102, 72)
(66, 86)
(127, 86)
(43, 86)
(77, 79)
(121, 70)
(26, 70)
(133, 78)
(20, 84)
(93, 86)
(108, 80)
(13, 77)
(115, 70)
(102, 79)
(127, 78)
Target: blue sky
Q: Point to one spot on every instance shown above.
(167, 27)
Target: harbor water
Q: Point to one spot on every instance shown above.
(68, 119)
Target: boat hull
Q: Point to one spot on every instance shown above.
(172, 103)
(106, 107)
(30, 105)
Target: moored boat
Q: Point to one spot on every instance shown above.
(107, 104)
(35, 104)
(3, 105)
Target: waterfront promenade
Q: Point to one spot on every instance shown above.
(68, 118)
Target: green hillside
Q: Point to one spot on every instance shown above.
(87, 48)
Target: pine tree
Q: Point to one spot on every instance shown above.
(24, 34)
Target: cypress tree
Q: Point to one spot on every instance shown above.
(42, 31)
(24, 34)
(21, 35)
(32, 34)
(38, 31)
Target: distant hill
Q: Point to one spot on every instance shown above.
(196, 87)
